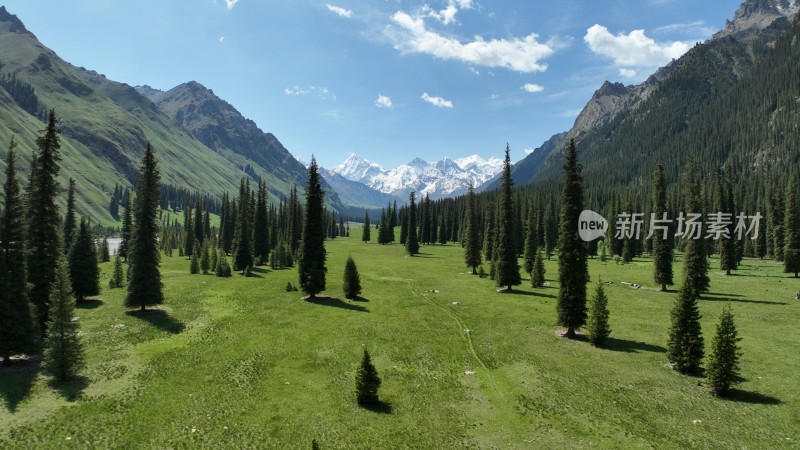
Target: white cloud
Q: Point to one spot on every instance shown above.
(530, 87)
(520, 54)
(231, 3)
(339, 11)
(633, 49)
(627, 73)
(529, 150)
(475, 71)
(437, 101)
(448, 14)
(222, 39)
(306, 90)
(383, 101)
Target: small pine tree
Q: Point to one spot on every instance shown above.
(365, 232)
(83, 270)
(603, 252)
(537, 274)
(367, 382)
(194, 264)
(104, 252)
(597, 329)
(412, 244)
(223, 268)
(314, 445)
(214, 258)
(722, 364)
(117, 279)
(685, 345)
(352, 281)
(205, 257)
(64, 355)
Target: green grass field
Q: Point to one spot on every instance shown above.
(241, 363)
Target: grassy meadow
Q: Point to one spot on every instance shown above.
(241, 363)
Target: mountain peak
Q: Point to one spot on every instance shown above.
(756, 15)
(11, 23)
(608, 88)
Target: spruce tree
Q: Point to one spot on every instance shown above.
(104, 254)
(144, 274)
(261, 226)
(489, 233)
(44, 235)
(118, 277)
(69, 218)
(83, 270)
(18, 324)
(205, 257)
(365, 237)
(529, 253)
(722, 363)
(685, 345)
(352, 281)
(537, 274)
(662, 248)
(215, 258)
(223, 268)
(507, 265)
(727, 245)
(367, 382)
(695, 268)
(63, 356)
(197, 222)
(127, 228)
(311, 266)
(412, 245)
(194, 264)
(597, 329)
(791, 251)
(472, 244)
(573, 272)
(243, 236)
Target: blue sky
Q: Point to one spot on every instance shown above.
(387, 79)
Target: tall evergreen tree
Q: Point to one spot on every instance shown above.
(352, 281)
(722, 364)
(507, 265)
(529, 254)
(144, 274)
(662, 248)
(537, 274)
(727, 245)
(597, 330)
(573, 271)
(83, 271)
(367, 382)
(188, 227)
(199, 229)
(685, 345)
(365, 231)
(44, 235)
(261, 225)
(791, 251)
(118, 277)
(472, 244)
(424, 220)
(104, 253)
(412, 245)
(63, 356)
(243, 237)
(205, 257)
(695, 268)
(311, 267)
(18, 326)
(127, 228)
(489, 232)
(69, 218)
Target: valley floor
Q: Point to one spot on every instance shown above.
(241, 363)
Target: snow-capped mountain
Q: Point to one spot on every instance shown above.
(445, 178)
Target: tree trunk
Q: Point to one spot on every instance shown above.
(570, 333)
(474, 272)
(142, 308)
(663, 287)
(508, 289)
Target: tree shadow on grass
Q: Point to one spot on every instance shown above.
(89, 304)
(427, 256)
(733, 298)
(359, 298)
(720, 294)
(71, 390)
(625, 345)
(16, 382)
(336, 303)
(381, 407)
(160, 319)
(739, 395)
(534, 293)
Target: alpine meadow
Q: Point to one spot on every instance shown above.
(611, 267)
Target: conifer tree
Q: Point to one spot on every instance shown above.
(18, 324)
(365, 231)
(529, 253)
(442, 230)
(69, 218)
(412, 245)
(507, 265)
(197, 222)
(424, 220)
(662, 248)
(223, 268)
(243, 236)
(188, 227)
(685, 345)
(695, 268)
(215, 258)
(597, 329)
(144, 274)
(127, 228)
(352, 281)
(367, 382)
(205, 257)
(727, 246)
(83, 271)
(261, 226)
(537, 274)
(194, 264)
(472, 245)
(45, 245)
(573, 272)
(791, 251)
(117, 278)
(722, 364)
(104, 253)
(489, 232)
(311, 266)
(63, 356)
